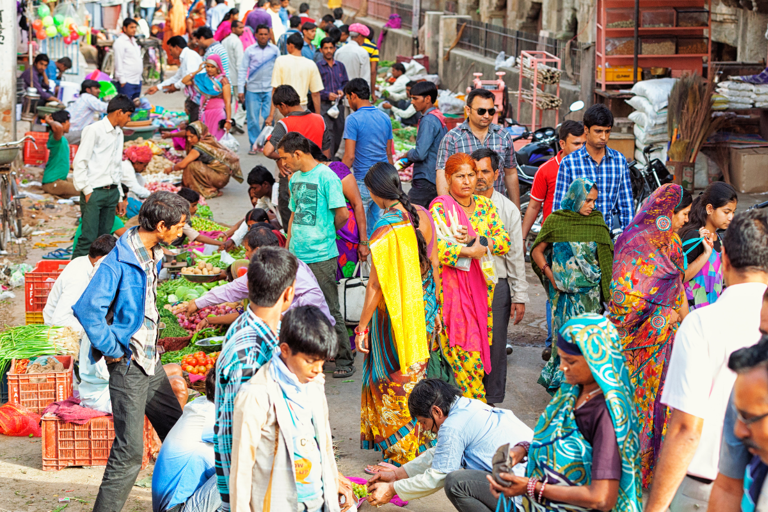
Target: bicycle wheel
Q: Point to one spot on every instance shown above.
(16, 211)
(5, 236)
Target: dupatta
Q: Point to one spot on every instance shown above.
(207, 85)
(395, 254)
(559, 454)
(465, 315)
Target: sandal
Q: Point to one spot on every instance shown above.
(59, 254)
(343, 372)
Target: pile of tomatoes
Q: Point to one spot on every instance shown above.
(199, 363)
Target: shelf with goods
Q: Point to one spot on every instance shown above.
(541, 69)
(667, 44)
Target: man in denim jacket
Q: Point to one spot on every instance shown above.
(119, 314)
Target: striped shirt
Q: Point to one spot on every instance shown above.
(611, 177)
(219, 50)
(248, 345)
(144, 341)
(372, 49)
(462, 140)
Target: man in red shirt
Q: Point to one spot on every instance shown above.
(572, 137)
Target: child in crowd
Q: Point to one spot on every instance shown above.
(55, 181)
(285, 400)
(190, 233)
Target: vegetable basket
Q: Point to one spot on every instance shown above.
(36, 391)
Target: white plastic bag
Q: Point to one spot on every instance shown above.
(502, 61)
(230, 142)
(333, 112)
(449, 103)
(261, 140)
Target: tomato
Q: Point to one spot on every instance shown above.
(208, 367)
(201, 369)
(188, 369)
(200, 360)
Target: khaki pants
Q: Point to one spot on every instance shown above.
(691, 496)
(61, 188)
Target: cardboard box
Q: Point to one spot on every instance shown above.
(624, 143)
(749, 170)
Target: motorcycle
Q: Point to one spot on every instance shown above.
(645, 180)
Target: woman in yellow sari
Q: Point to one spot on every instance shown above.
(401, 308)
(468, 322)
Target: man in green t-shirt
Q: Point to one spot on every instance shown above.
(55, 180)
(318, 210)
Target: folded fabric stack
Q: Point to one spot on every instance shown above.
(650, 117)
(739, 95)
(761, 95)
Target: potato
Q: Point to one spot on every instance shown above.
(216, 270)
(209, 266)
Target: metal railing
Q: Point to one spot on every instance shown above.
(382, 9)
(490, 40)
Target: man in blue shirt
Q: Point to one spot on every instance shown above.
(254, 77)
(367, 141)
(308, 30)
(55, 70)
(282, 43)
(605, 167)
(432, 129)
(185, 472)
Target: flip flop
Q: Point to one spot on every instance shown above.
(343, 372)
(59, 254)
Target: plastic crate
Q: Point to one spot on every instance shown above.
(68, 444)
(37, 156)
(38, 284)
(34, 317)
(36, 391)
(72, 152)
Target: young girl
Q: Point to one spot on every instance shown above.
(712, 211)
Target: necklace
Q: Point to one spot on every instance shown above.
(589, 396)
(463, 205)
(393, 205)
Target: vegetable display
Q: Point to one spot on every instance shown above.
(191, 322)
(199, 363)
(201, 269)
(30, 341)
(178, 355)
(360, 490)
(202, 224)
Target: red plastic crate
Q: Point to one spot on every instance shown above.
(38, 283)
(37, 156)
(68, 444)
(36, 391)
(72, 153)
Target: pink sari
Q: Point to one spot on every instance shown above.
(465, 319)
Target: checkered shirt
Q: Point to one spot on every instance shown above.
(462, 140)
(144, 341)
(611, 177)
(249, 344)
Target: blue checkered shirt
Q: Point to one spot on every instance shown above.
(144, 341)
(462, 140)
(614, 190)
(248, 345)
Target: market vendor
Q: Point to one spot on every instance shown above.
(55, 176)
(306, 290)
(83, 110)
(35, 77)
(190, 233)
(403, 109)
(55, 70)
(208, 165)
(396, 91)
(260, 186)
(135, 161)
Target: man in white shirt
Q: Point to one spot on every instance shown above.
(698, 382)
(396, 91)
(216, 14)
(511, 292)
(235, 52)
(356, 60)
(278, 27)
(128, 63)
(189, 62)
(83, 109)
(97, 172)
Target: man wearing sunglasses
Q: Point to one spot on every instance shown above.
(479, 131)
(698, 382)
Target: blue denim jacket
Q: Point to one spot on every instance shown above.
(424, 155)
(119, 285)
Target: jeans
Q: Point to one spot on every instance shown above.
(495, 383)
(148, 13)
(96, 217)
(134, 394)
(548, 341)
(205, 499)
(422, 192)
(469, 491)
(372, 211)
(133, 91)
(257, 105)
(325, 273)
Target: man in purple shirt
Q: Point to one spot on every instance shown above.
(259, 16)
(35, 77)
(306, 290)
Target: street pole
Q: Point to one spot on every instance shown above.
(8, 42)
(415, 25)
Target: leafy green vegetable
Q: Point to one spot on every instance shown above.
(205, 211)
(178, 355)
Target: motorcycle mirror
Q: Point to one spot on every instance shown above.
(576, 106)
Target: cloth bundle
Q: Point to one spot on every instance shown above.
(650, 116)
(45, 364)
(71, 411)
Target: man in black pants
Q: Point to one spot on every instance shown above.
(119, 313)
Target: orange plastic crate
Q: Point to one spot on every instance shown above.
(38, 283)
(36, 391)
(39, 156)
(72, 152)
(68, 444)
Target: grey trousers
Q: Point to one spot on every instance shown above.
(469, 491)
(691, 496)
(495, 383)
(325, 273)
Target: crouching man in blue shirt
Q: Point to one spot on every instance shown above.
(468, 434)
(118, 312)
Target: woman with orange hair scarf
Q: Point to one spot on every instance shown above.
(476, 229)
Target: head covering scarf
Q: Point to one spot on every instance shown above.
(138, 154)
(360, 29)
(216, 156)
(647, 263)
(559, 454)
(210, 85)
(568, 225)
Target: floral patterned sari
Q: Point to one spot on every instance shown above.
(647, 286)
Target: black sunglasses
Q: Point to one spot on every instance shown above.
(483, 111)
(754, 419)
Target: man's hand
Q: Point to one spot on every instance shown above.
(241, 97)
(383, 476)
(122, 84)
(345, 489)
(268, 121)
(191, 307)
(151, 90)
(332, 96)
(122, 207)
(518, 312)
(386, 104)
(380, 493)
(169, 89)
(87, 197)
(229, 244)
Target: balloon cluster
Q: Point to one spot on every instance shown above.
(58, 24)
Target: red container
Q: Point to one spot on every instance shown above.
(36, 391)
(68, 444)
(452, 122)
(37, 156)
(72, 153)
(38, 283)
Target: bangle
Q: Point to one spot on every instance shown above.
(363, 242)
(531, 489)
(541, 493)
(362, 333)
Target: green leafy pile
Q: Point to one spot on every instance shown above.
(178, 355)
(203, 224)
(205, 211)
